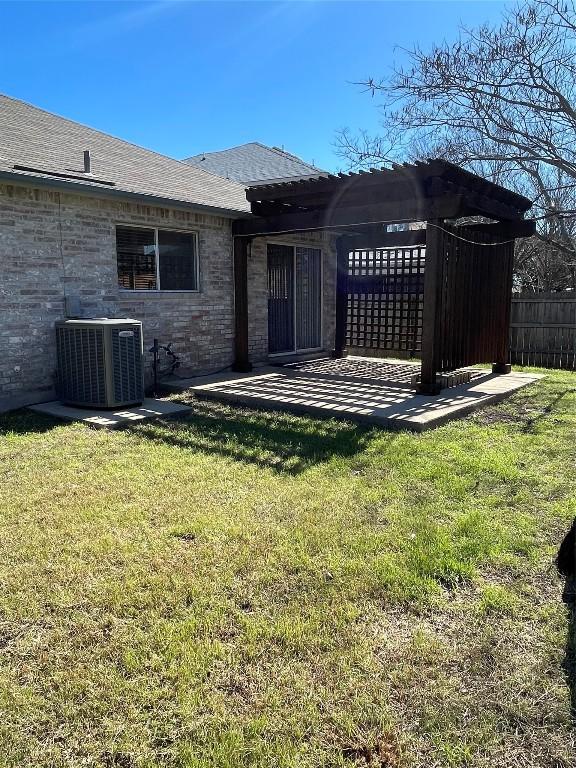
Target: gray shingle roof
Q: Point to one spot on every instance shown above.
(39, 140)
(253, 162)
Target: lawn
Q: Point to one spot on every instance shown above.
(243, 588)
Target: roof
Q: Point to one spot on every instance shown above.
(43, 146)
(253, 162)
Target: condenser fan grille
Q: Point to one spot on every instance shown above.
(127, 365)
(81, 364)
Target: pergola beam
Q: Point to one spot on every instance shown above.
(383, 239)
(447, 207)
(379, 238)
(482, 205)
(475, 203)
(505, 230)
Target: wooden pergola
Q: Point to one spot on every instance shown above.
(468, 267)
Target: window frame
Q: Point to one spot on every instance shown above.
(159, 289)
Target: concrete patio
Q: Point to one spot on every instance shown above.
(109, 419)
(362, 389)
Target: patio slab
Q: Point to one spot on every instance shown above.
(109, 419)
(359, 399)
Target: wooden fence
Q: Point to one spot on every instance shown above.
(543, 330)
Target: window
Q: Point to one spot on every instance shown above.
(156, 259)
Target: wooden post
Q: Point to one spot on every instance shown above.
(432, 310)
(342, 251)
(502, 363)
(241, 355)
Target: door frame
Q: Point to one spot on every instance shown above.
(293, 246)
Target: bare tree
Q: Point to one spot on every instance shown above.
(500, 100)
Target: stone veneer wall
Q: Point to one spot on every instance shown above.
(57, 244)
(258, 289)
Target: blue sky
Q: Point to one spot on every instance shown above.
(186, 77)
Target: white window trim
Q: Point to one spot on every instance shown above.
(154, 291)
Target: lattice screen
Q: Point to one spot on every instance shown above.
(385, 299)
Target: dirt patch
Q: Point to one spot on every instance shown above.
(383, 753)
(118, 760)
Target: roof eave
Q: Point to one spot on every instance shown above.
(94, 191)
(286, 179)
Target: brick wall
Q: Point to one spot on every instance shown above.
(55, 244)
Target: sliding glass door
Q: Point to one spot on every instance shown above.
(294, 298)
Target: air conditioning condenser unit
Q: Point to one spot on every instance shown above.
(100, 362)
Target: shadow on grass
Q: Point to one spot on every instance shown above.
(555, 399)
(24, 421)
(528, 407)
(274, 440)
(569, 663)
(566, 565)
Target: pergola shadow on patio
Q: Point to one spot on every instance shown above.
(461, 273)
(396, 373)
(363, 390)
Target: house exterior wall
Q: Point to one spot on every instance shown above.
(57, 245)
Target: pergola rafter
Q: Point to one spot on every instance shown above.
(358, 207)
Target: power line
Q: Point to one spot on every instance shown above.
(466, 240)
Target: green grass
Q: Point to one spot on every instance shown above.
(248, 589)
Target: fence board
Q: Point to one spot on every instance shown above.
(543, 330)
